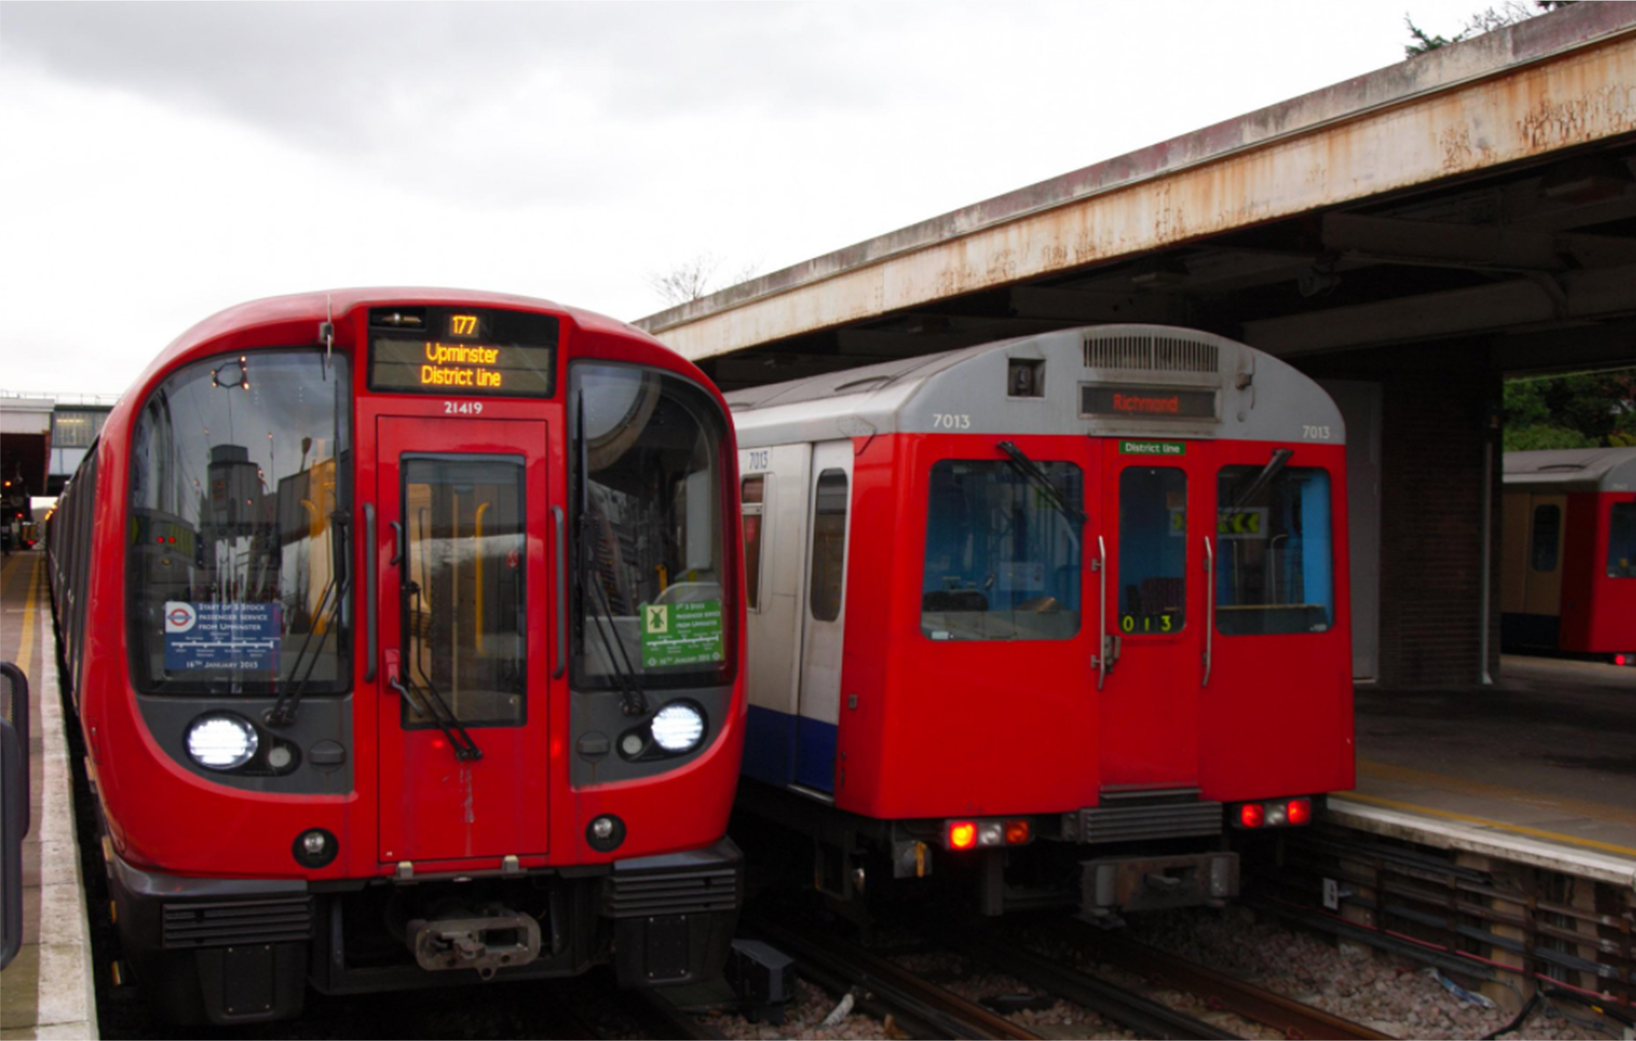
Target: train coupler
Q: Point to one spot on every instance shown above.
(1113, 884)
(487, 942)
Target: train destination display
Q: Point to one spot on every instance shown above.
(1103, 399)
(463, 360)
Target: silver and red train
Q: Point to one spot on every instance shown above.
(1062, 617)
(403, 629)
(1568, 558)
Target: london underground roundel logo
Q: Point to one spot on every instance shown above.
(179, 617)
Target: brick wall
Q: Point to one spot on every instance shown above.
(1434, 424)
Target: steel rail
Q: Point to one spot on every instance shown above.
(1291, 1018)
(661, 1017)
(949, 1015)
(1135, 1012)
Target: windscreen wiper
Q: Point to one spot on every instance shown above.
(632, 700)
(426, 698)
(283, 712)
(1031, 470)
(1280, 456)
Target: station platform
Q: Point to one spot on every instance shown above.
(1539, 768)
(48, 989)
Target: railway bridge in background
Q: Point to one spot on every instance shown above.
(44, 437)
(1409, 237)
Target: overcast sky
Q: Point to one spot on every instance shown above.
(160, 161)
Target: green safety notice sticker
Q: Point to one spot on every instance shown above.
(682, 634)
(1153, 448)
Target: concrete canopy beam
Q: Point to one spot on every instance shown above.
(1385, 239)
(1572, 296)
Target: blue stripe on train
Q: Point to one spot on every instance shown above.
(815, 765)
(782, 749)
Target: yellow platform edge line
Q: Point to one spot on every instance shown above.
(25, 647)
(1520, 829)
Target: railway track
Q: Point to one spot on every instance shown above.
(926, 1010)
(1291, 1018)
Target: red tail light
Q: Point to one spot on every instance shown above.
(1016, 833)
(962, 834)
(1621, 659)
(1299, 811)
(1251, 815)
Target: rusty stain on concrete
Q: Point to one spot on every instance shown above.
(1511, 94)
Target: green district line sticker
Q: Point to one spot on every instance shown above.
(682, 634)
(1153, 447)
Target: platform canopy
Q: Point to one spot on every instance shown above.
(1484, 190)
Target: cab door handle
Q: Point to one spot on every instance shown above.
(372, 632)
(1209, 606)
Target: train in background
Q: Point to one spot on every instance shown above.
(17, 527)
(403, 632)
(1060, 620)
(1568, 564)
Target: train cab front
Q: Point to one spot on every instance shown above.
(433, 656)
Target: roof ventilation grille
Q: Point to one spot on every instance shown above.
(1151, 353)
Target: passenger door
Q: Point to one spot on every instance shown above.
(462, 609)
(824, 615)
(1155, 537)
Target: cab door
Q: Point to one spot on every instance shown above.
(818, 709)
(1154, 542)
(462, 725)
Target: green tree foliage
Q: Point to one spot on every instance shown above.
(1585, 410)
(1487, 20)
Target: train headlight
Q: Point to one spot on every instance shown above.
(678, 727)
(222, 741)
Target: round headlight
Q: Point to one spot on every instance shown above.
(678, 727)
(222, 741)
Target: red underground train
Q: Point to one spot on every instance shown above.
(1060, 619)
(1568, 563)
(402, 627)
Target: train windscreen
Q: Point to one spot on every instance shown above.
(235, 561)
(1002, 559)
(1622, 541)
(646, 459)
(1274, 569)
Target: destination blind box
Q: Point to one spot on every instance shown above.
(464, 351)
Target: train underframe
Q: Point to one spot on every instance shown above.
(1157, 851)
(229, 951)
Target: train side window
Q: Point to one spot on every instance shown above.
(1622, 540)
(828, 546)
(1152, 551)
(1547, 533)
(1002, 561)
(1274, 571)
(752, 492)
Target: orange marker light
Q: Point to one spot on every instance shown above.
(1300, 811)
(1016, 833)
(962, 834)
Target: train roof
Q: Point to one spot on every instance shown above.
(1573, 469)
(321, 305)
(1147, 381)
